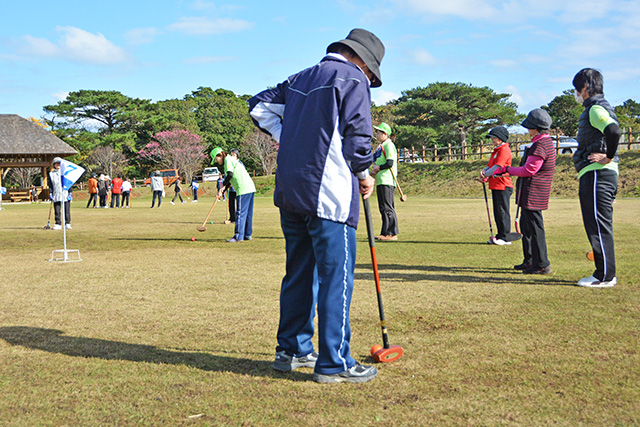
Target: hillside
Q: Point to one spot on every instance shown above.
(459, 178)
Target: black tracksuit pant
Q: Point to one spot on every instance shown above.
(534, 241)
(501, 213)
(597, 193)
(387, 210)
(57, 208)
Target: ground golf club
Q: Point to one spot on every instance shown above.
(510, 237)
(48, 226)
(203, 227)
(385, 353)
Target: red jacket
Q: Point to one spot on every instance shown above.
(501, 156)
(116, 184)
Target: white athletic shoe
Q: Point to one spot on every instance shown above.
(499, 242)
(592, 282)
(172, 203)
(57, 227)
(67, 226)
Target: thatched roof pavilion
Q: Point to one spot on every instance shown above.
(24, 144)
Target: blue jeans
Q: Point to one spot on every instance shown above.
(244, 217)
(320, 270)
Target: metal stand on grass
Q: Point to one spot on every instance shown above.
(62, 255)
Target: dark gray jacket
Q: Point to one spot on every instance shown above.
(591, 140)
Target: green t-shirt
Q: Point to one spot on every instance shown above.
(389, 152)
(599, 118)
(241, 180)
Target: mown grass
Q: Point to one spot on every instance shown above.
(152, 328)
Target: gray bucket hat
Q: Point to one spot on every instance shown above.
(499, 132)
(368, 47)
(537, 119)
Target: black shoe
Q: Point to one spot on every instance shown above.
(545, 270)
(523, 266)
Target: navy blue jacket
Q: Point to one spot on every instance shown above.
(322, 119)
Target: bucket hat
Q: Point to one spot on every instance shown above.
(499, 132)
(537, 119)
(368, 47)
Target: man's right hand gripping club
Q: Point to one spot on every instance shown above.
(366, 186)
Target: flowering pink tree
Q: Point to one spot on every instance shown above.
(175, 149)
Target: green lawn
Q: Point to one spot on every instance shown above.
(154, 329)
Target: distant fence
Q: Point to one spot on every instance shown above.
(628, 141)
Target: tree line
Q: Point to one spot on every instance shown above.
(114, 133)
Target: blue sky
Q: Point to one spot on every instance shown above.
(164, 49)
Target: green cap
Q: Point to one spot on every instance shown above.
(214, 153)
(384, 128)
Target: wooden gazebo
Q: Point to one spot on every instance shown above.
(24, 144)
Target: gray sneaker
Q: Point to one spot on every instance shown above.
(356, 374)
(286, 363)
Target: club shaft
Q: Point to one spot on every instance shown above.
(376, 274)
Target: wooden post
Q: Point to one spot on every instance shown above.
(435, 154)
(481, 148)
(449, 145)
(413, 154)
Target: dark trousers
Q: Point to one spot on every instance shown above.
(103, 200)
(232, 206)
(158, 195)
(115, 197)
(597, 193)
(94, 197)
(125, 198)
(387, 210)
(176, 196)
(67, 212)
(534, 241)
(501, 213)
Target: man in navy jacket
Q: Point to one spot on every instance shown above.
(321, 117)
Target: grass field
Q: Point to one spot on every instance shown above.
(154, 329)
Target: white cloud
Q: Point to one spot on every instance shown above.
(469, 9)
(204, 26)
(383, 96)
(75, 45)
(60, 96)
(209, 59)
(423, 57)
(139, 36)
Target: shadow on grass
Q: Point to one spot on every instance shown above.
(486, 275)
(430, 242)
(54, 341)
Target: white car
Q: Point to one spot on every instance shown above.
(565, 145)
(210, 174)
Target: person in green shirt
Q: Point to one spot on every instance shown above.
(385, 170)
(596, 161)
(236, 175)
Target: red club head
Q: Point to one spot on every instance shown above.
(385, 355)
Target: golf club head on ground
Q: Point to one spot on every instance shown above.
(202, 228)
(512, 237)
(386, 355)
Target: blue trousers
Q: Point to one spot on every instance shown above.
(244, 217)
(319, 271)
